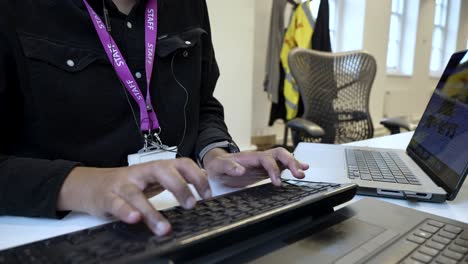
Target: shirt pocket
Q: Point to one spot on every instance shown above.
(178, 74)
(179, 63)
(184, 41)
(65, 57)
(69, 83)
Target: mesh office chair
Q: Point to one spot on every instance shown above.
(335, 89)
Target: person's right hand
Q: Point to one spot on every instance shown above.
(120, 192)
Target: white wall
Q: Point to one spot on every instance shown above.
(261, 103)
(232, 24)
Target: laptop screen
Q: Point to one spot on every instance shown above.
(440, 143)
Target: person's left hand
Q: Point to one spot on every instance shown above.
(245, 168)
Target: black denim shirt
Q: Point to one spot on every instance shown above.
(62, 105)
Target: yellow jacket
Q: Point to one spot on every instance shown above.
(299, 34)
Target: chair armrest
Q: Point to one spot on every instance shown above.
(394, 124)
(306, 126)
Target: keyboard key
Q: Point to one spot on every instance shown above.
(403, 181)
(464, 235)
(416, 239)
(422, 234)
(445, 260)
(453, 229)
(461, 242)
(435, 245)
(452, 254)
(428, 251)
(411, 261)
(421, 257)
(441, 240)
(366, 177)
(459, 249)
(435, 223)
(447, 235)
(429, 229)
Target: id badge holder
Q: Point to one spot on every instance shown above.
(152, 151)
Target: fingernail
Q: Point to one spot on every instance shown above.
(208, 194)
(278, 182)
(133, 216)
(239, 169)
(190, 203)
(162, 228)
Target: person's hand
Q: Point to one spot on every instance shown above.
(122, 192)
(245, 168)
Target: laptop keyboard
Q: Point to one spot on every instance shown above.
(437, 242)
(378, 166)
(119, 241)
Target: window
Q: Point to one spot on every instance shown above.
(333, 23)
(315, 5)
(402, 37)
(395, 36)
(446, 20)
(346, 23)
(438, 35)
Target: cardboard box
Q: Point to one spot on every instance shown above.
(264, 142)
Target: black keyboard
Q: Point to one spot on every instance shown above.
(378, 166)
(437, 242)
(210, 219)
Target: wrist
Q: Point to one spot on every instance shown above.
(78, 190)
(213, 154)
(227, 146)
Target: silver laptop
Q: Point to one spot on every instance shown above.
(435, 163)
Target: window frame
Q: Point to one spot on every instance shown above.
(443, 49)
(397, 70)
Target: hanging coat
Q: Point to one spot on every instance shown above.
(299, 34)
(320, 41)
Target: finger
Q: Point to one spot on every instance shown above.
(122, 210)
(194, 175)
(153, 190)
(153, 219)
(170, 179)
(226, 165)
(288, 160)
(270, 165)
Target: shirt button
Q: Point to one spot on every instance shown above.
(70, 63)
(138, 75)
(188, 42)
(185, 54)
(129, 25)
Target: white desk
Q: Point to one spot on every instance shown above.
(15, 231)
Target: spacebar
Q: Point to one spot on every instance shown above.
(367, 249)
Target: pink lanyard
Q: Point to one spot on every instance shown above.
(148, 119)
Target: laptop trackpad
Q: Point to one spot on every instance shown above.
(347, 242)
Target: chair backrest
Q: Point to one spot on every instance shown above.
(335, 89)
